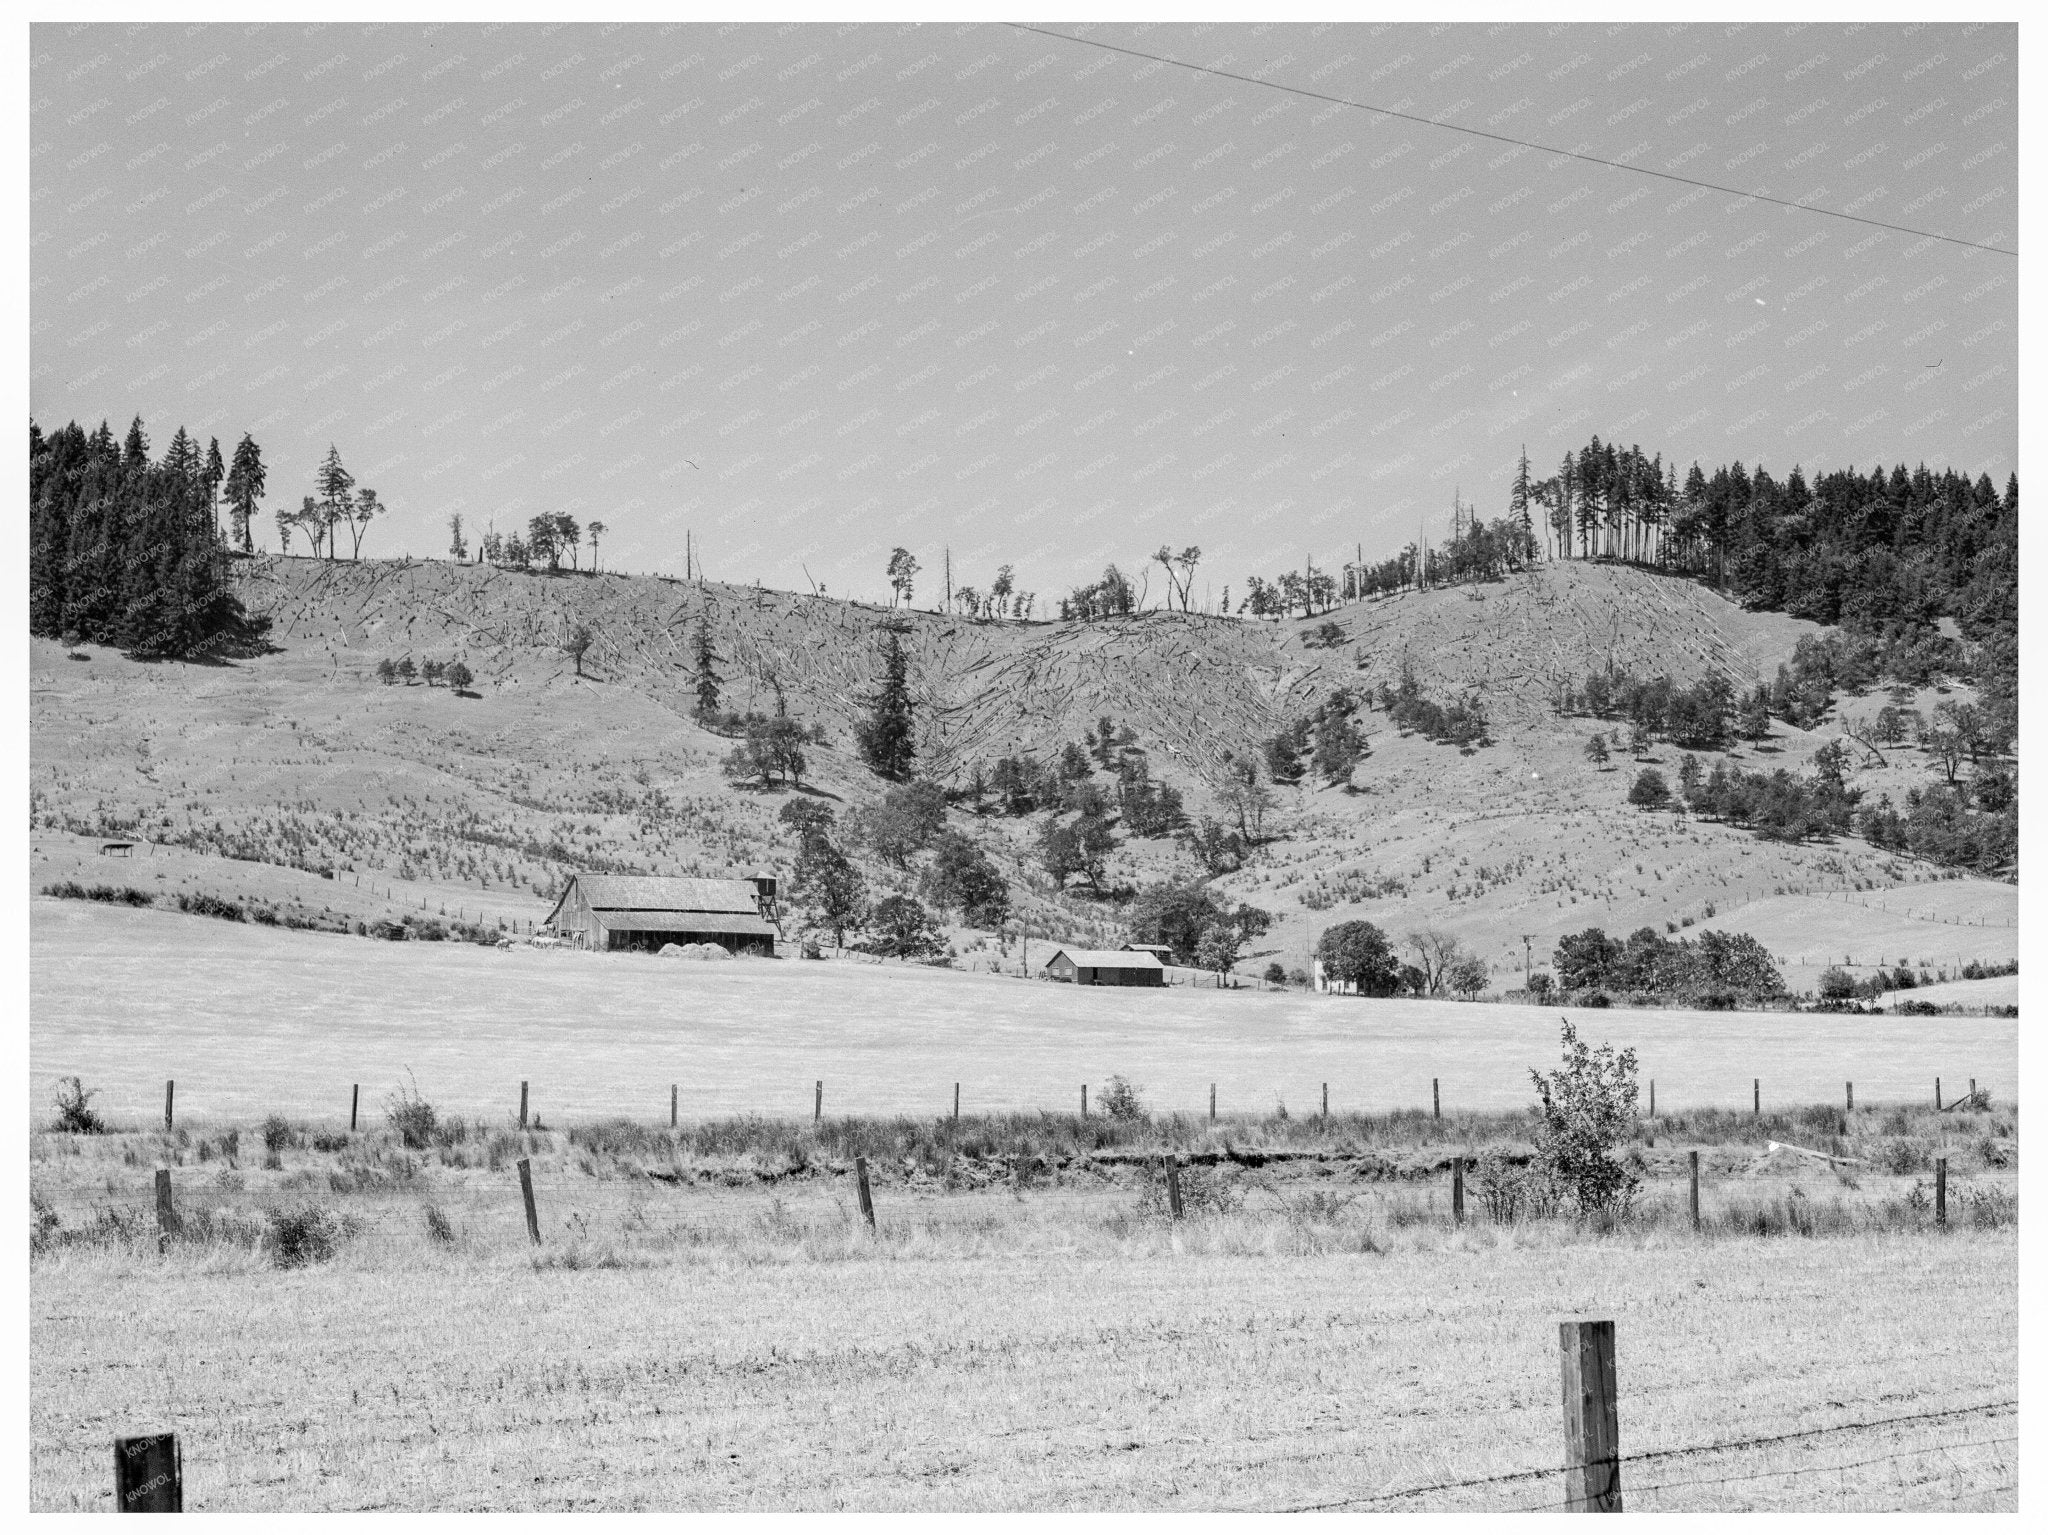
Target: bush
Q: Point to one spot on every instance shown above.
(1837, 984)
(302, 1235)
(439, 1227)
(1276, 973)
(277, 1133)
(75, 1113)
(1587, 1108)
(212, 906)
(412, 1117)
(1120, 1100)
(114, 895)
(1650, 791)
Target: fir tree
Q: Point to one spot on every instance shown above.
(244, 488)
(707, 675)
(885, 737)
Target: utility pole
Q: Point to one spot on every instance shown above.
(1525, 961)
(949, 578)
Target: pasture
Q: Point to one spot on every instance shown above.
(252, 1020)
(1310, 1335)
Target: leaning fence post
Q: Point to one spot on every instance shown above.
(1173, 1203)
(1458, 1190)
(867, 1199)
(1694, 1159)
(166, 1216)
(170, 1089)
(1941, 1191)
(526, 1193)
(355, 1097)
(522, 1105)
(1592, 1436)
(1653, 1097)
(149, 1475)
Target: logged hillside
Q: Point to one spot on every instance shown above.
(297, 774)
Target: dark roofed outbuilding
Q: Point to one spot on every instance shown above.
(612, 912)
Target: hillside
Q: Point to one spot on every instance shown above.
(301, 759)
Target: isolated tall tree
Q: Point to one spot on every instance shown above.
(597, 530)
(543, 539)
(578, 645)
(569, 537)
(359, 514)
(458, 547)
(885, 736)
(903, 569)
(707, 673)
(244, 488)
(1521, 494)
(215, 471)
(335, 483)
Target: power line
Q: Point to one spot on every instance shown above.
(1502, 138)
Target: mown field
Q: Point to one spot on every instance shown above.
(251, 1021)
(707, 1323)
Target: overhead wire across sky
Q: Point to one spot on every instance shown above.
(1503, 138)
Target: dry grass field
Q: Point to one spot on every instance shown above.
(702, 1329)
(251, 1021)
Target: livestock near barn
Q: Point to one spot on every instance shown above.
(1105, 967)
(611, 912)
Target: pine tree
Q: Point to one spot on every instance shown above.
(244, 488)
(885, 736)
(215, 471)
(707, 676)
(1521, 494)
(335, 484)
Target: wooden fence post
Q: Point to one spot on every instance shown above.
(1084, 1100)
(522, 1105)
(1173, 1203)
(166, 1216)
(170, 1089)
(1693, 1158)
(526, 1193)
(1326, 1102)
(1436, 1100)
(355, 1097)
(1756, 1096)
(1849, 1096)
(867, 1199)
(1212, 1103)
(1653, 1097)
(149, 1475)
(674, 1095)
(1592, 1438)
(1941, 1191)
(1458, 1190)
(956, 1103)
(1937, 1101)
(818, 1103)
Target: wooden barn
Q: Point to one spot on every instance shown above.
(1159, 951)
(1106, 967)
(620, 911)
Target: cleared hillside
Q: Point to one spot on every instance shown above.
(300, 758)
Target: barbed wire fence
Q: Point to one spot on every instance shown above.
(1393, 1499)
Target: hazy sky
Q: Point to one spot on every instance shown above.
(814, 291)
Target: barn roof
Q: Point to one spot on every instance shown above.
(1109, 959)
(641, 892)
(685, 922)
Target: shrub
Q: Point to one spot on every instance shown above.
(1120, 1100)
(277, 1133)
(212, 906)
(302, 1235)
(439, 1227)
(1276, 973)
(412, 1117)
(75, 1113)
(1837, 984)
(1650, 792)
(1540, 987)
(330, 1143)
(1586, 1109)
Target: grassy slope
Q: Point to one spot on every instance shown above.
(251, 1020)
(478, 803)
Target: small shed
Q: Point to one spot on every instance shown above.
(118, 849)
(1159, 951)
(1105, 967)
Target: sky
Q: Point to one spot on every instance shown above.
(811, 292)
